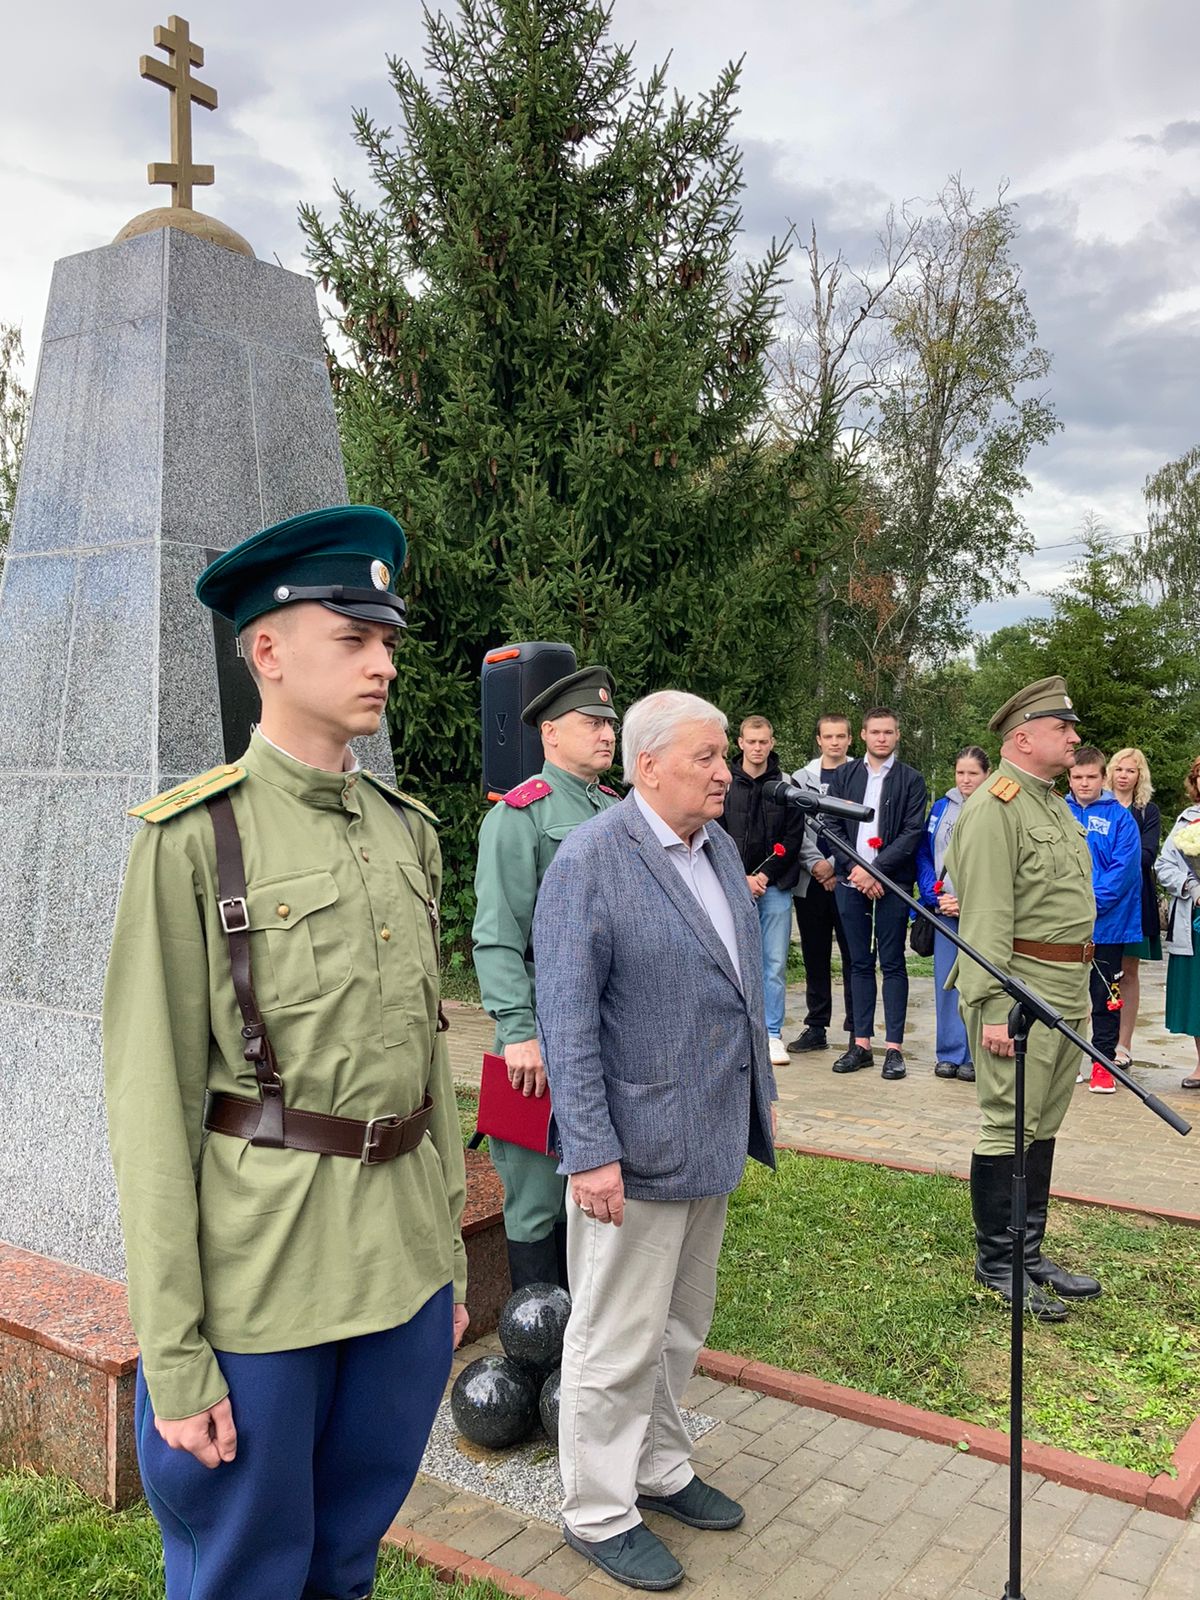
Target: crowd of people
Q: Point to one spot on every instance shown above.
(837, 900)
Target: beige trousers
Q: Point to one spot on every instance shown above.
(642, 1302)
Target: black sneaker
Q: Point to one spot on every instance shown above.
(945, 1069)
(966, 1073)
(893, 1065)
(810, 1039)
(854, 1060)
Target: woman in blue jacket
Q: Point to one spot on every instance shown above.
(971, 767)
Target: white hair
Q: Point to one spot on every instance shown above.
(650, 724)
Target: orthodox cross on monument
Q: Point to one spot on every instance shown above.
(176, 75)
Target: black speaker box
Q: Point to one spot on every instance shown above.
(512, 676)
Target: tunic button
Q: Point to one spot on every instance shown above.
(365, 856)
(283, 911)
(385, 933)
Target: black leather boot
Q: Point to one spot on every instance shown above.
(1039, 1164)
(991, 1207)
(532, 1261)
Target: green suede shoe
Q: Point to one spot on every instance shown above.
(638, 1558)
(698, 1504)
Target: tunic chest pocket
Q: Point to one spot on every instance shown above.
(295, 949)
(414, 891)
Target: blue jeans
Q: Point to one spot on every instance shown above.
(951, 1034)
(775, 927)
(329, 1439)
(876, 927)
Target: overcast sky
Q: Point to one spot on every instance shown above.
(1089, 109)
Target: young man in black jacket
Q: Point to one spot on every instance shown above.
(873, 919)
(768, 834)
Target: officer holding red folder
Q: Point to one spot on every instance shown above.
(517, 842)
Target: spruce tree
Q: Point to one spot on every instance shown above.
(548, 364)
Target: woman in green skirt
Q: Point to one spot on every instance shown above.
(1178, 871)
(1129, 780)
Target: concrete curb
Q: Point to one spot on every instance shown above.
(1173, 1496)
(451, 1565)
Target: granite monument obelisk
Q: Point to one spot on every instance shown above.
(182, 401)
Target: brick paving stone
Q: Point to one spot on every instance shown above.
(1101, 1519)
(488, 1532)
(1177, 1578)
(1060, 1494)
(841, 1435)
(774, 1547)
(1042, 1522)
(1154, 1523)
(935, 1573)
(564, 1568)
(425, 1496)
(884, 1439)
(733, 1584)
(844, 1539)
(994, 1491)
(941, 1495)
(910, 1535)
(797, 1471)
(860, 1466)
(779, 1442)
(1135, 1557)
(973, 1528)
(884, 1498)
(1067, 1568)
(765, 1414)
(701, 1389)
(447, 1523)
(722, 1444)
(1105, 1587)
(920, 1459)
(819, 1504)
(730, 1403)
(964, 1465)
(763, 1503)
(705, 1554)
(743, 1468)
(803, 1580)
(526, 1549)
(872, 1576)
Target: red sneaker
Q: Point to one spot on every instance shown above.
(1102, 1081)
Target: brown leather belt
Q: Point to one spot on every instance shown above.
(380, 1139)
(1070, 954)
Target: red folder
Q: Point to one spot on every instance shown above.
(505, 1113)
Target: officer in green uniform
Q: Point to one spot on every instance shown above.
(281, 1113)
(517, 841)
(1023, 877)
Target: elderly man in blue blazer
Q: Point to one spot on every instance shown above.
(650, 1016)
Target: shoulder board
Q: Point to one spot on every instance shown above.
(604, 789)
(173, 802)
(404, 799)
(525, 794)
(1005, 789)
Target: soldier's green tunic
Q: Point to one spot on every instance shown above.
(516, 845)
(252, 1250)
(1021, 870)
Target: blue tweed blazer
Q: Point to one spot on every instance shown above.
(656, 1054)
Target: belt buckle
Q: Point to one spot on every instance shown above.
(367, 1157)
(234, 906)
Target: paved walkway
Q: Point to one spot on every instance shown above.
(836, 1510)
(840, 1511)
(1110, 1145)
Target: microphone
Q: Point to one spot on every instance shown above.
(816, 804)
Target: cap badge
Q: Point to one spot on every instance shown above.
(603, 693)
(381, 575)
(1067, 702)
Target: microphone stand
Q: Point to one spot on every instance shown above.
(1028, 1007)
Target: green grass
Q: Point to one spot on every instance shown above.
(56, 1544)
(862, 1276)
(467, 1101)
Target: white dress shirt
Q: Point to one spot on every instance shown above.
(692, 864)
(872, 798)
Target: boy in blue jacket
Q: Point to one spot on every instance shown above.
(1114, 841)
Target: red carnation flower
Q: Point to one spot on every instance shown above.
(778, 850)
(938, 886)
(875, 843)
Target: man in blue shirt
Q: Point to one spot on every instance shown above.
(1114, 841)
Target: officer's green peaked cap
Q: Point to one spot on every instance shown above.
(589, 690)
(343, 557)
(1047, 697)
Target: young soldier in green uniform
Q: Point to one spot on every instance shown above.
(281, 1113)
(517, 841)
(1023, 877)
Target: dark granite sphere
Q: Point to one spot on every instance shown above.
(548, 1403)
(532, 1325)
(494, 1402)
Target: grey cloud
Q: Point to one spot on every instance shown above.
(1174, 137)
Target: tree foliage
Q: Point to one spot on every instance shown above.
(1170, 547)
(550, 366)
(14, 419)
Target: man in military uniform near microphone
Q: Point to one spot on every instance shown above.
(517, 842)
(1023, 877)
(281, 1112)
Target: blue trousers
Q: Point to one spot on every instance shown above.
(329, 1440)
(775, 929)
(951, 1042)
(887, 921)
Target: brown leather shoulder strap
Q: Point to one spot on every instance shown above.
(235, 919)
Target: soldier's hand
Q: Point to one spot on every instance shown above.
(600, 1193)
(210, 1435)
(996, 1040)
(461, 1319)
(526, 1069)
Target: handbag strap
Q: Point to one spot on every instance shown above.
(235, 920)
